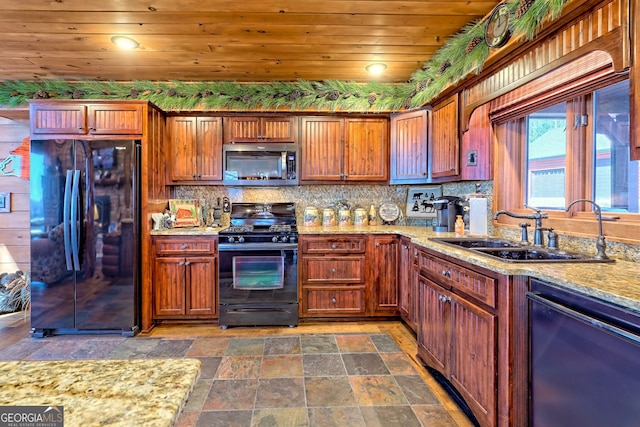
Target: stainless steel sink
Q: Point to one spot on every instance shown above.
(538, 255)
(482, 242)
(509, 251)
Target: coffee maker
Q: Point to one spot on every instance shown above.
(447, 207)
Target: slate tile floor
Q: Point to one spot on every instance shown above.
(320, 380)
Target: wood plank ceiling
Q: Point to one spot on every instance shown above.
(200, 40)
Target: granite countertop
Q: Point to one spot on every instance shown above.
(188, 231)
(617, 282)
(114, 393)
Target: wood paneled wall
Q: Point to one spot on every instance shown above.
(14, 226)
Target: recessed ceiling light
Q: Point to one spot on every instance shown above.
(376, 67)
(125, 42)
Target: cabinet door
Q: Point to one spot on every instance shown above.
(445, 141)
(366, 151)
(279, 129)
(58, 119)
(409, 148)
(169, 296)
(434, 327)
(242, 129)
(260, 129)
(473, 357)
(201, 280)
(182, 148)
(117, 119)
(406, 286)
(321, 148)
(209, 148)
(385, 270)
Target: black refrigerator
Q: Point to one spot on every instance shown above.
(85, 245)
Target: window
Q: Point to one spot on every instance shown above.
(568, 149)
(547, 157)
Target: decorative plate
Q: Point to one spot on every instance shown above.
(186, 212)
(388, 211)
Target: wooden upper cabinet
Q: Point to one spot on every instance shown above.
(366, 156)
(409, 148)
(260, 129)
(76, 118)
(321, 141)
(195, 148)
(445, 140)
(344, 149)
(475, 158)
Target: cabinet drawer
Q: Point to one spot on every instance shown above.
(181, 246)
(449, 275)
(334, 301)
(344, 269)
(331, 245)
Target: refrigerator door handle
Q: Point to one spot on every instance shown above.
(66, 223)
(75, 200)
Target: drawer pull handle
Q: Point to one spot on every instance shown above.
(446, 273)
(443, 298)
(334, 300)
(185, 247)
(181, 264)
(333, 270)
(334, 246)
(188, 263)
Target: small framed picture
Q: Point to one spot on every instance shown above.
(5, 202)
(420, 201)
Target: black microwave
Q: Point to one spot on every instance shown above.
(260, 164)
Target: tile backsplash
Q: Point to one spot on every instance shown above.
(322, 196)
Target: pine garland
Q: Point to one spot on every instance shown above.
(461, 55)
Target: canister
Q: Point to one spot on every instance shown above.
(360, 217)
(311, 216)
(344, 217)
(328, 217)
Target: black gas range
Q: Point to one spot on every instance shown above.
(258, 266)
(262, 223)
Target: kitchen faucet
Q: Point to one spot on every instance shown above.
(537, 216)
(601, 246)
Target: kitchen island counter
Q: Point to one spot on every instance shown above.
(149, 392)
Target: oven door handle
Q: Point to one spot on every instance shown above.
(589, 320)
(255, 246)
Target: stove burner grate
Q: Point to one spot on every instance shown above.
(239, 229)
(280, 228)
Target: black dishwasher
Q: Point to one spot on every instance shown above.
(584, 360)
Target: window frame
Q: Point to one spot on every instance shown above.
(510, 168)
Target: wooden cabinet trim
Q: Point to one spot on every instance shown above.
(478, 286)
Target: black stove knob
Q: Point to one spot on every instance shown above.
(284, 239)
(240, 239)
(274, 239)
(231, 239)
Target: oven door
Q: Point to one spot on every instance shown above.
(260, 273)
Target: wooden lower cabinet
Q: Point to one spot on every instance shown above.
(468, 316)
(384, 269)
(185, 279)
(348, 275)
(332, 276)
(408, 283)
(458, 338)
